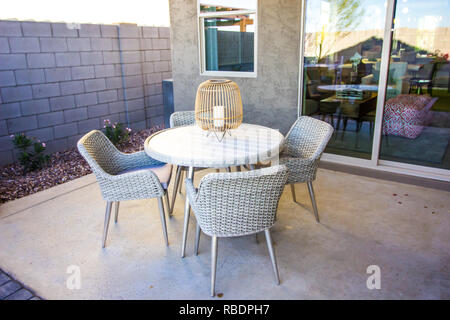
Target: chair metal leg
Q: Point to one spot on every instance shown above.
(166, 198)
(181, 183)
(186, 215)
(272, 255)
(175, 188)
(197, 238)
(163, 219)
(106, 224)
(313, 200)
(116, 213)
(213, 264)
(293, 192)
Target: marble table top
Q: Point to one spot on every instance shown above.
(192, 146)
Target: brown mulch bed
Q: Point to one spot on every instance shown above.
(62, 167)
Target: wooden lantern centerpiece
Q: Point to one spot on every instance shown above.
(218, 106)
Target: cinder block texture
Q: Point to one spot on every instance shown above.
(53, 44)
(58, 80)
(12, 61)
(10, 28)
(24, 45)
(11, 94)
(50, 119)
(41, 60)
(63, 30)
(30, 76)
(7, 79)
(46, 90)
(39, 29)
(35, 106)
(4, 46)
(68, 59)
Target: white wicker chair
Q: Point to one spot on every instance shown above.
(302, 149)
(124, 176)
(237, 204)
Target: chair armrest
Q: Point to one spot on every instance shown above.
(140, 184)
(136, 159)
(300, 169)
(191, 191)
(298, 162)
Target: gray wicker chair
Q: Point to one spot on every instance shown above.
(179, 119)
(182, 118)
(237, 204)
(124, 176)
(302, 149)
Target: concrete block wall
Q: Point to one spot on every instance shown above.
(57, 83)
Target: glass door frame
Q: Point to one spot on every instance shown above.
(375, 162)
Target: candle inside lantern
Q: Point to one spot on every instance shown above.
(218, 115)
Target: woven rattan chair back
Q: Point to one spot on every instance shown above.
(100, 153)
(182, 118)
(307, 138)
(239, 203)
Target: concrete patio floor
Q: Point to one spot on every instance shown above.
(362, 224)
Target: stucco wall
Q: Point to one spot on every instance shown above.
(271, 98)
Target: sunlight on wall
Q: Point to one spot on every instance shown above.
(141, 12)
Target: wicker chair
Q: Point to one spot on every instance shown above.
(182, 118)
(237, 204)
(179, 119)
(302, 149)
(124, 176)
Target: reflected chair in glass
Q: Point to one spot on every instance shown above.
(124, 176)
(237, 204)
(302, 149)
(424, 77)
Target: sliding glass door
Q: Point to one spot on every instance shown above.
(342, 55)
(416, 121)
(378, 72)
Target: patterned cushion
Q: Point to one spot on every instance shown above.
(406, 115)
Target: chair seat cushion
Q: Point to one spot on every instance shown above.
(163, 171)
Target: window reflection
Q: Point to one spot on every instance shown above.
(343, 43)
(342, 70)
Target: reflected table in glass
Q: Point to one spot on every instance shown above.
(353, 108)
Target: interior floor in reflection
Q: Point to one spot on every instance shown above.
(430, 148)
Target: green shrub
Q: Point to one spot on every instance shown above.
(31, 155)
(116, 132)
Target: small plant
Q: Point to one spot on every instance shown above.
(31, 155)
(116, 132)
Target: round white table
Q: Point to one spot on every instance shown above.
(190, 146)
(341, 87)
